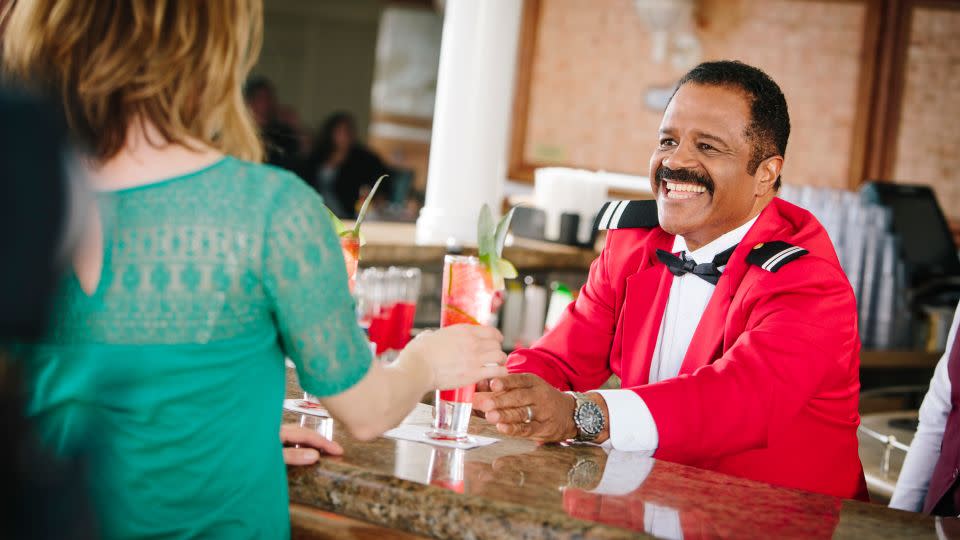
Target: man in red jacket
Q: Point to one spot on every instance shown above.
(723, 310)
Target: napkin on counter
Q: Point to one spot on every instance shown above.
(303, 406)
(418, 433)
(416, 425)
(413, 428)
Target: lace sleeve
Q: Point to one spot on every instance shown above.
(306, 282)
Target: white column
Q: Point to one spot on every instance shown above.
(471, 118)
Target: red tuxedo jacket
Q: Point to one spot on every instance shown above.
(768, 389)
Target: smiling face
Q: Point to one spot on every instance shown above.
(699, 171)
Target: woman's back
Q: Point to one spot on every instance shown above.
(165, 359)
(170, 372)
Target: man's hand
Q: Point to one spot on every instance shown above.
(291, 434)
(524, 405)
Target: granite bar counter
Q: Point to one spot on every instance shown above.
(516, 489)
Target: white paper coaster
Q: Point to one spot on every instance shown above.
(303, 406)
(418, 433)
(414, 427)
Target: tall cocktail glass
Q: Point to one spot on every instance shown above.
(351, 256)
(467, 298)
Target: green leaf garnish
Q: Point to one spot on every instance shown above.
(366, 205)
(490, 240)
(501, 232)
(486, 243)
(342, 230)
(338, 226)
(507, 269)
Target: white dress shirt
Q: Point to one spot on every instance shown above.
(632, 427)
(924, 451)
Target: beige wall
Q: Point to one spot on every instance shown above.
(872, 90)
(593, 67)
(928, 140)
(320, 56)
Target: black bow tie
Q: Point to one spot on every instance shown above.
(708, 272)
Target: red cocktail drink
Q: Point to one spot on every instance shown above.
(467, 298)
(351, 256)
(402, 317)
(447, 468)
(380, 329)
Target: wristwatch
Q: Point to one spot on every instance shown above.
(585, 474)
(588, 418)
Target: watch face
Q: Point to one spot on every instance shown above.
(585, 474)
(590, 419)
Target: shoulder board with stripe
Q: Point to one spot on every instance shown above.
(772, 256)
(627, 215)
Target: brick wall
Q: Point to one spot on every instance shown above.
(928, 139)
(592, 67)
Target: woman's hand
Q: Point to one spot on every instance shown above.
(293, 434)
(447, 358)
(459, 355)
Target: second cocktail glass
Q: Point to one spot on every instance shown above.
(350, 245)
(467, 297)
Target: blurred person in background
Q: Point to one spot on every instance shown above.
(281, 139)
(41, 496)
(199, 272)
(341, 168)
(289, 116)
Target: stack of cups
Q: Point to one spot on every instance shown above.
(387, 306)
(559, 190)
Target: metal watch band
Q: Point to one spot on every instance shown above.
(583, 401)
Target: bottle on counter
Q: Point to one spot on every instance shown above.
(534, 312)
(512, 314)
(560, 298)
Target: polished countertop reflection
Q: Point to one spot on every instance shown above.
(516, 489)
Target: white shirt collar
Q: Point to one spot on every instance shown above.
(706, 253)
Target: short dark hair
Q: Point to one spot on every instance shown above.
(769, 126)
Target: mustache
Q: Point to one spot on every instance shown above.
(684, 175)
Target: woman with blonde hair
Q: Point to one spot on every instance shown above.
(203, 269)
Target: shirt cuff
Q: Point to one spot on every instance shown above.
(632, 428)
(662, 521)
(624, 473)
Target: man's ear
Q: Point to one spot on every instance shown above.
(767, 174)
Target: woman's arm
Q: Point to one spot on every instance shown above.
(306, 282)
(924, 451)
(447, 358)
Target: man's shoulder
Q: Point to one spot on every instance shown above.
(795, 265)
(629, 225)
(620, 215)
(773, 255)
(788, 261)
(783, 266)
(800, 248)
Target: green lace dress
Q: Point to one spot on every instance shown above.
(170, 375)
